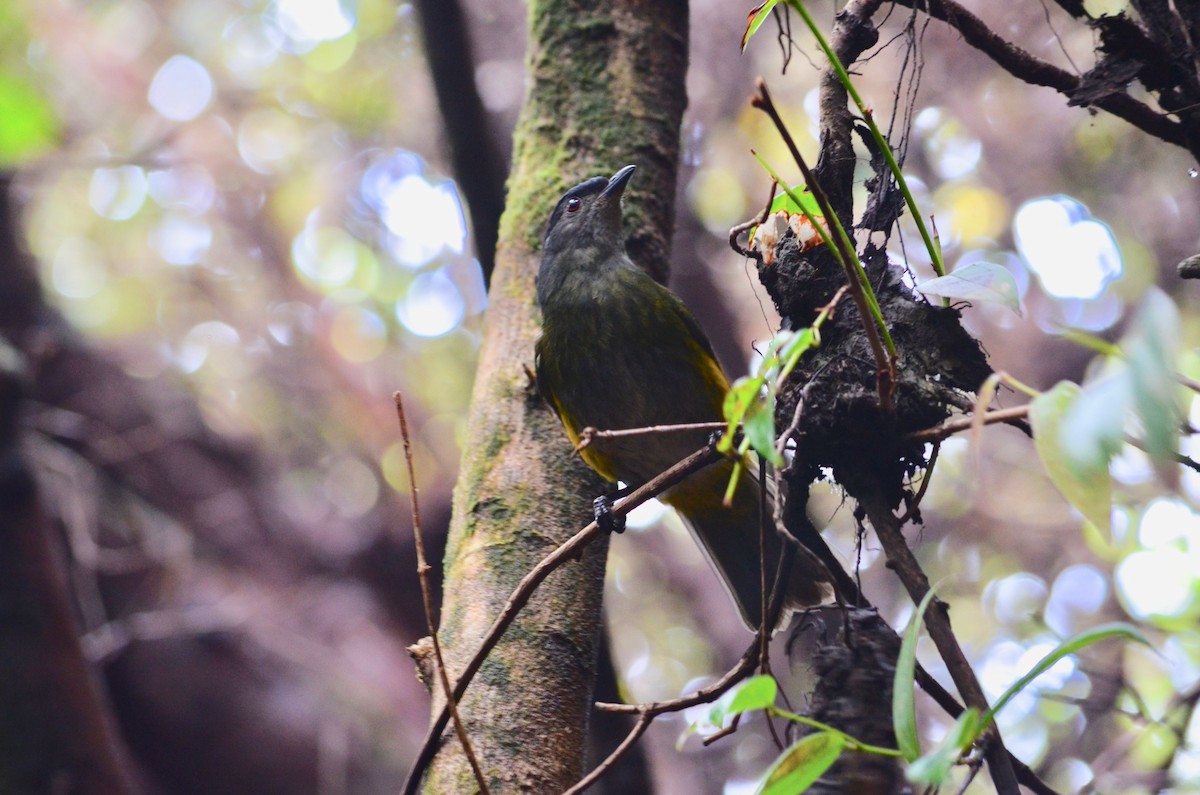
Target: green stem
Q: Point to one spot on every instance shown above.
(935, 254)
(856, 267)
(1015, 384)
(851, 742)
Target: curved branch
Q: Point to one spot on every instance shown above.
(1027, 67)
(569, 550)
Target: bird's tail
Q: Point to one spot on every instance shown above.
(730, 539)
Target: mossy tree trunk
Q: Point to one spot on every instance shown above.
(606, 89)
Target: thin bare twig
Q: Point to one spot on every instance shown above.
(723, 733)
(1190, 383)
(1178, 458)
(766, 620)
(973, 766)
(643, 722)
(1026, 67)
(702, 696)
(423, 569)
(915, 504)
(764, 634)
(748, 225)
(751, 657)
(947, 429)
(590, 434)
(569, 550)
(648, 712)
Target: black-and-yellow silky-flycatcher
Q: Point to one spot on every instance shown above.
(619, 350)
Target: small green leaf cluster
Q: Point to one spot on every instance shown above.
(805, 761)
(750, 402)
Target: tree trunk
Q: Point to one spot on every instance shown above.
(607, 89)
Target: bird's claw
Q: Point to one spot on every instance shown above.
(606, 520)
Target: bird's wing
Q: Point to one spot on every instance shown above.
(693, 327)
(541, 373)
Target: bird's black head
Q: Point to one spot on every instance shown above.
(583, 236)
(588, 214)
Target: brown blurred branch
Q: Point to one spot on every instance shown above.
(478, 166)
(125, 463)
(55, 733)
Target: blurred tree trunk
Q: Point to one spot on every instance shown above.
(55, 733)
(476, 160)
(130, 465)
(607, 89)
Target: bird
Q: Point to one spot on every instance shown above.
(619, 350)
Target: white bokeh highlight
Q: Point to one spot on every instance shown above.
(181, 89)
(1072, 254)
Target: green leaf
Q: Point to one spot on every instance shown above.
(28, 123)
(756, 17)
(933, 768)
(1068, 646)
(985, 282)
(759, 429)
(738, 400)
(1093, 430)
(785, 202)
(904, 711)
(1151, 348)
(801, 343)
(1089, 491)
(800, 765)
(757, 693)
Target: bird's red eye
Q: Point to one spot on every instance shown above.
(573, 205)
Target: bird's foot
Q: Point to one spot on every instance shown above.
(606, 520)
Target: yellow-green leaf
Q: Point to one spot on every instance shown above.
(759, 428)
(1088, 489)
(933, 768)
(757, 693)
(799, 766)
(904, 711)
(784, 201)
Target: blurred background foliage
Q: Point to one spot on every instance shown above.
(248, 203)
